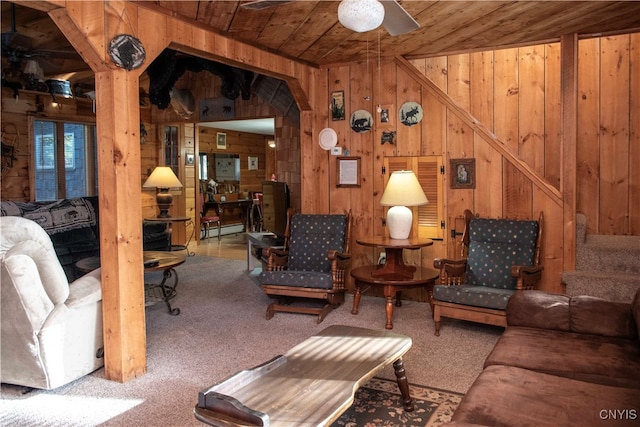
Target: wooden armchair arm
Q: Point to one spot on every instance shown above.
(277, 259)
(527, 277)
(339, 264)
(452, 271)
(340, 259)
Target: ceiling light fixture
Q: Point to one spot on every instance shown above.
(361, 15)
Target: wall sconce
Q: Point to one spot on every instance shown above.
(55, 103)
(272, 143)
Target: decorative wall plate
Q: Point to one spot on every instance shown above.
(328, 138)
(127, 52)
(361, 121)
(410, 113)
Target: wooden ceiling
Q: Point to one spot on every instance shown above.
(310, 30)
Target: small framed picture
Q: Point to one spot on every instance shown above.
(221, 141)
(348, 172)
(189, 159)
(337, 105)
(385, 116)
(463, 173)
(253, 163)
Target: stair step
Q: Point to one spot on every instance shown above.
(616, 254)
(615, 287)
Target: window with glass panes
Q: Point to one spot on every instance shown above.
(64, 159)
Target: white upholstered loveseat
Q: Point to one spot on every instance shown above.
(51, 330)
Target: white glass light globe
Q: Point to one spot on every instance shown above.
(361, 15)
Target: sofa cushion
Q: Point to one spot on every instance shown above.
(593, 358)
(591, 315)
(583, 314)
(495, 246)
(539, 309)
(312, 237)
(155, 236)
(510, 396)
(306, 279)
(77, 240)
(478, 296)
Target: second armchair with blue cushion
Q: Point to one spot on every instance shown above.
(502, 257)
(312, 266)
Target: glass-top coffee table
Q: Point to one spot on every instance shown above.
(166, 262)
(166, 289)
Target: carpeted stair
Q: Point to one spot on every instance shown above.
(606, 266)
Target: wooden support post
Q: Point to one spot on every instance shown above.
(568, 185)
(118, 124)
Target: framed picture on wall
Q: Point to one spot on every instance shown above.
(253, 163)
(348, 172)
(189, 159)
(463, 173)
(221, 141)
(337, 105)
(386, 115)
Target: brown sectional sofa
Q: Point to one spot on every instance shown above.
(562, 361)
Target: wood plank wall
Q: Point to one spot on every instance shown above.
(16, 111)
(514, 93)
(284, 162)
(244, 145)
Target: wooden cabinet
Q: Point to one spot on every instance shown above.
(275, 203)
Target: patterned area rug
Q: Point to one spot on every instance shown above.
(379, 403)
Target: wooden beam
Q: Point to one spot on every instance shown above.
(80, 41)
(118, 124)
(90, 26)
(569, 109)
(482, 131)
(43, 6)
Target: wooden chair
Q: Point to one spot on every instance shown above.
(312, 265)
(207, 220)
(502, 257)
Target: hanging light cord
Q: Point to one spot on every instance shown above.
(379, 109)
(367, 97)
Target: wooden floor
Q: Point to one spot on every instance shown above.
(231, 246)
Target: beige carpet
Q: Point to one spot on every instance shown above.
(222, 329)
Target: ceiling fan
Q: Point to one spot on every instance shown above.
(396, 20)
(17, 48)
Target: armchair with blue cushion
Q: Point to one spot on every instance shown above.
(502, 257)
(312, 265)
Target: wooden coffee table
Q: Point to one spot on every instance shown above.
(310, 385)
(392, 285)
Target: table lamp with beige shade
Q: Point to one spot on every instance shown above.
(402, 190)
(162, 178)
